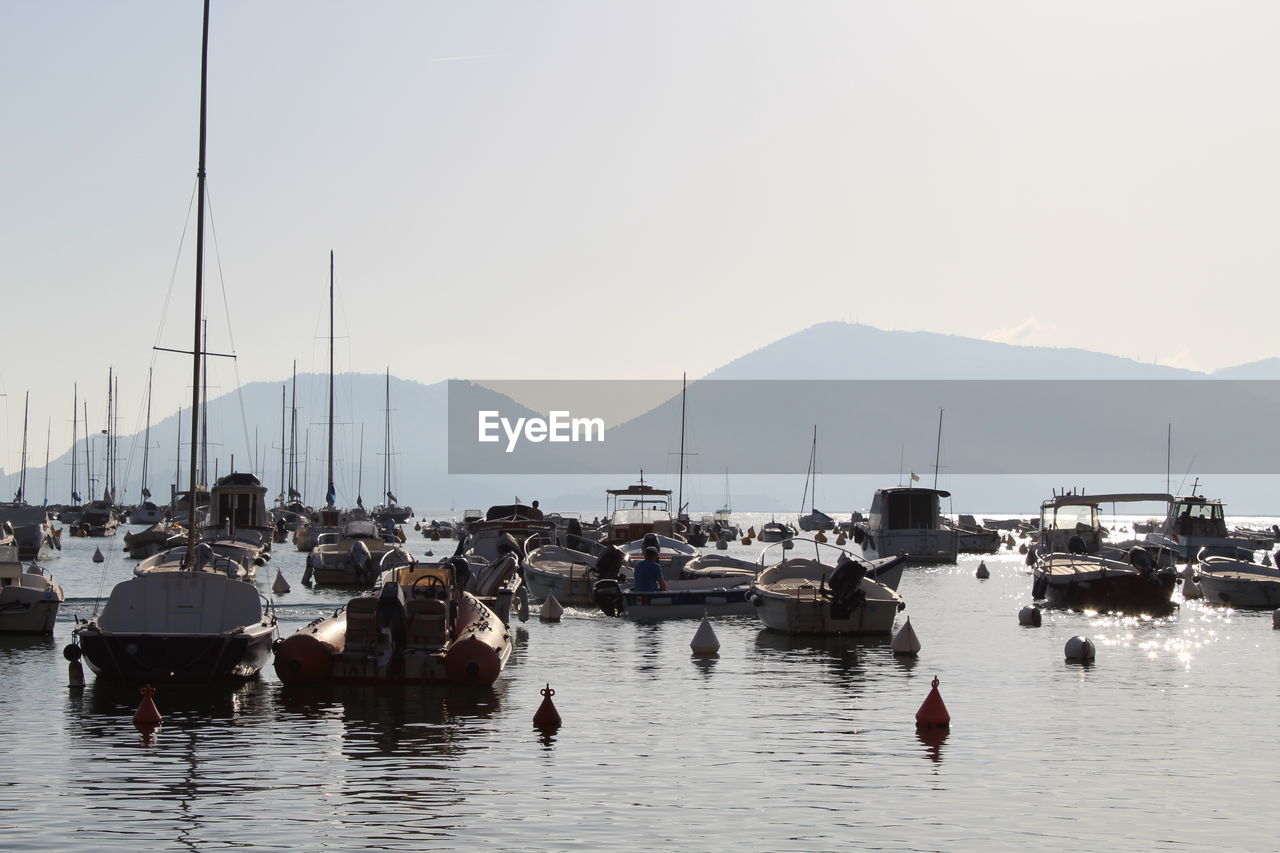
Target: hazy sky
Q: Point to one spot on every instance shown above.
(631, 189)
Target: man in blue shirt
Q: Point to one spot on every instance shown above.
(648, 573)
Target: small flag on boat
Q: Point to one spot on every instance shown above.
(915, 478)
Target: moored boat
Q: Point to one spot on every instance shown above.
(804, 595)
(29, 597)
(421, 626)
(1239, 583)
(907, 520)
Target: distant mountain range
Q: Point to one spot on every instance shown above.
(832, 350)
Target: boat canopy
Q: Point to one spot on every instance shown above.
(1119, 497)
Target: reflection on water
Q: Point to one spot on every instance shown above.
(660, 749)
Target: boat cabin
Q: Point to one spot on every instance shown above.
(1066, 516)
(1196, 516)
(907, 508)
(637, 510)
(239, 502)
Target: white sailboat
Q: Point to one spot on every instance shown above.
(185, 625)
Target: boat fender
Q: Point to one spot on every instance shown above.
(756, 601)
(1040, 585)
(71, 652)
(522, 598)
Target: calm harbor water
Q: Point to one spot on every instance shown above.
(779, 743)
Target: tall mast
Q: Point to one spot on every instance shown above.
(198, 346)
(114, 436)
(360, 471)
(204, 409)
(88, 452)
(293, 437)
(809, 472)
(21, 497)
(146, 442)
(937, 454)
(684, 381)
(107, 473)
(48, 436)
(1168, 460)
(386, 446)
(75, 407)
(284, 420)
(177, 476)
(331, 494)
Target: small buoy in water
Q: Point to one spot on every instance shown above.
(983, 572)
(841, 539)
(722, 545)
(417, 525)
(1191, 590)
(281, 586)
(97, 555)
(547, 717)
(933, 712)
(147, 717)
(820, 537)
(705, 641)
(1029, 616)
(751, 532)
(1266, 560)
(905, 642)
(431, 553)
(1188, 572)
(746, 540)
(1080, 648)
(551, 610)
(1022, 549)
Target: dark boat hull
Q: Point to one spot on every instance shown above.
(193, 658)
(1131, 594)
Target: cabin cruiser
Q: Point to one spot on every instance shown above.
(1194, 524)
(350, 557)
(637, 510)
(907, 520)
(32, 530)
(29, 597)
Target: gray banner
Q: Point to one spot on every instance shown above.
(863, 426)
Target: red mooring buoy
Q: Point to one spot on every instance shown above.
(933, 713)
(547, 716)
(148, 715)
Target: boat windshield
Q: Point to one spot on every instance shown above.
(643, 515)
(1069, 517)
(1200, 519)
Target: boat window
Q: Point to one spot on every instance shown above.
(1070, 517)
(913, 510)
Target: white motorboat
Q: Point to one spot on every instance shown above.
(1194, 525)
(1239, 583)
(804, 595)
(673, 554)
(907, 520)
(776, 531)
(206, 560)
(351, 557)
(567, 574)
(29, 598)
(715, 565)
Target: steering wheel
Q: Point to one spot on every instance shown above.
(426, 591)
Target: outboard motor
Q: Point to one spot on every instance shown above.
(608, 597)
(1141, 560)
(507, 544)
(461, 571)
(859, 535)
(362, 560)
(610, 563)
(651, 541)
(573, 535)
(1075, 545)
(391, 614)
(845, 585)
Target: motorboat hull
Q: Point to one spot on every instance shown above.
(919, 546)
(1239, 583)
(805, 614)
(1103, 586)
(28, 613)
(155, 658)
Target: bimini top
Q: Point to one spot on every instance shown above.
(1118, 498)
(639, 489)
(894, 489)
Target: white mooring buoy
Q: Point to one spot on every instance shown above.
(905, 642)
(705, 641)
(1080, 648)
(983, 572)
(551, 610)
(281, 586)
(97, 555)
(1029, 616)
(1191, 590)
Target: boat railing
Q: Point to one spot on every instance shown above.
(832, 552)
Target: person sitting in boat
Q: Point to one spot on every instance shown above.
(648, 572)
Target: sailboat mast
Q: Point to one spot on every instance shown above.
(1168, 460)
(75, 411)
(684, 382)
(284, 421)
(386, 446)
(293, 436)
(114, 438)
(48, 436)
(331, 494)
(21, 497)
(198, 346)
(203, 411)
(146, 441)
(937, 453)
(360, 472)
(88, 452)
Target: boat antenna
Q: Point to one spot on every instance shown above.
(684, 380)
(1186, 475)
(1168, 460)
(198, 348)
(21, 497)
